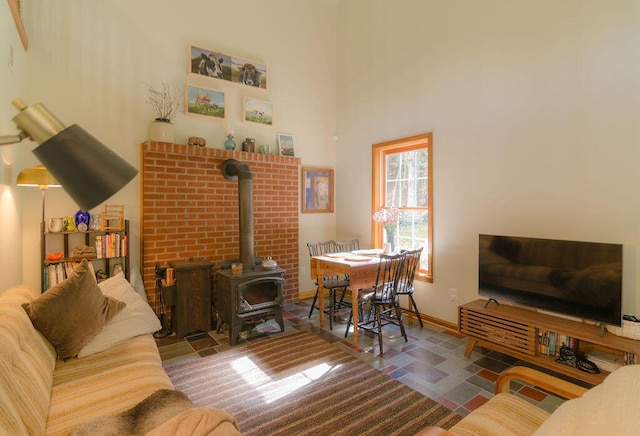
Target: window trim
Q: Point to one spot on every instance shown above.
(379, 151)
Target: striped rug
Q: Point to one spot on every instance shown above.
(299, 384)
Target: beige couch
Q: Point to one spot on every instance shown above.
(42, 394)
(611, 408)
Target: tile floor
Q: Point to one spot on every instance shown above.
(431, 362)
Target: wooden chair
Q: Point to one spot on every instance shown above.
(405, 287)
(333, 284)
(346, 246)
(382, 299)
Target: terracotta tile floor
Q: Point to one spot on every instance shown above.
(431, 362)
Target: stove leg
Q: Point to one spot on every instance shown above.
(279, 319)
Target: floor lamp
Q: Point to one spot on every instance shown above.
(87, 170)
(40, 178)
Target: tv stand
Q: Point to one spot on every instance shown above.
(514, 331)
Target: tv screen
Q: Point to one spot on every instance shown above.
(580, 279)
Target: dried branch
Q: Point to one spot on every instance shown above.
(165, 102)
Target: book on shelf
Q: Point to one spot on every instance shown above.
(111, 245)
(57, 272)
(549, 342)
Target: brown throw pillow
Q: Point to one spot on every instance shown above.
(71, 313)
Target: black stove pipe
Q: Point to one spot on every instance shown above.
(235, 170)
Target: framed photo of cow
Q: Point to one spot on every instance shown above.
(209, 63)
(257, 111)
(203, 102)
(217, 65)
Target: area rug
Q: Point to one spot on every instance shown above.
(299, 384)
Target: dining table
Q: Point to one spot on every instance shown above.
(360, 266)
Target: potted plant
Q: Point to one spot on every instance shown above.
(165, 103)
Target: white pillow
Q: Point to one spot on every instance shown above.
(135, 319)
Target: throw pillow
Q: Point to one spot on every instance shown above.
(71, 313)
(135, 319)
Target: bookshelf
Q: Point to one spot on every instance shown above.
(111, 249)
(516, 331)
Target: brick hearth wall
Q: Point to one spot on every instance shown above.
(190, 210)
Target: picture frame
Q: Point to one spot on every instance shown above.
(14, 6)
(285, 144)
(204, 102)
(317, 190)
(257, 111)
(217, 65)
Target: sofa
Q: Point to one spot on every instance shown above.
(611, 407)
(45, 388)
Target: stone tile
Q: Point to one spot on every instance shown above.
(482, 383)
(426, 356)
(462, 393)
(426, 372)
(534, 394)
(492, 364)
(475, 402)
(489, 375)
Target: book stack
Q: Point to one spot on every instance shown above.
(57, 272)
(111, 245)
(549, 342)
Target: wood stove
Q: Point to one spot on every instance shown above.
(255, 293)
(249, 296)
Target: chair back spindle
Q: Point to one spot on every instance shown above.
(347, 246)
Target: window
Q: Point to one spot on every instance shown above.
(402, 178)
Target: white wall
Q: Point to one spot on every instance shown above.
(11, 156)
(88, 62)
(534, 109)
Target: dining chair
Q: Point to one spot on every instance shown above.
(405, 286)
(382, 299)
(333, 283)
(347, 246)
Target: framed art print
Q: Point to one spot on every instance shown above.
(257, 111)
(217, 65)
(317, 190)
(204, 102)
(285, 143)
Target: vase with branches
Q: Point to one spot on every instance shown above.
(165, 102)
(389, 217)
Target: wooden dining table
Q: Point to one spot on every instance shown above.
(362, 271)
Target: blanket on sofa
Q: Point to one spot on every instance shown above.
(161, 413)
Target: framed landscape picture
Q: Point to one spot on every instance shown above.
(317, 190)
(257, 111)
(204, 102)
(285, 143)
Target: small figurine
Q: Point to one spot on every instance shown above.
(230, 144)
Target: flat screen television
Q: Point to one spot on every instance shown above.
(580, 279)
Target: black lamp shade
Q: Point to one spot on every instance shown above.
(89, 171)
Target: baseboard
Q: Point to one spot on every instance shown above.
(437, 322)
(303, 295)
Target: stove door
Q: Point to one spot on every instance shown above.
(259, 294)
